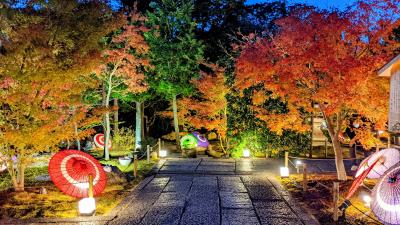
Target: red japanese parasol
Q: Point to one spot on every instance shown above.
(69, 170)
(99, 141)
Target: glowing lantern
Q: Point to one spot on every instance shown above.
(87, 206)
(246, 153)
(163, 153)
(284, 172)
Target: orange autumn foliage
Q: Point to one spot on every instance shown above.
(128, 59)
(42, 67)
(210, 111)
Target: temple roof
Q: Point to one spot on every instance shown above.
(390, 68)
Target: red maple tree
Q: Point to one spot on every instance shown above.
(210, 110)
(123, 64)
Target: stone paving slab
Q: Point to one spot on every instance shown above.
(216, 168)
(265, 192)
(195, 218)
(178, 186)
(239, 217)
(266, 209)
(281, 221)
(231, 184)
(235, 200)
(178, 169)
(162, 215)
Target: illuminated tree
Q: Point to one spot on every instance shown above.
(324, 59)
(174, 52)
(209, 110)
(123, 66)
(42, 62)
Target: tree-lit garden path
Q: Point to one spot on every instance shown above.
(210, 191)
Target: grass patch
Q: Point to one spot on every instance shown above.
(31, 204)
(319, 199)
(30, 174)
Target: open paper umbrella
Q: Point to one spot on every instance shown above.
(201, 140)
(386, 197)
(189, 141)
(69, 170)
(386, 157)
(99, 141)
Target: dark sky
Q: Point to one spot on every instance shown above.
(326, 4)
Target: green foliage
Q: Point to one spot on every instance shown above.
(124, 140)
(296, 143)
(251, 140)
(30, 174)
(174, 50)
(262, 141)
(149, 141)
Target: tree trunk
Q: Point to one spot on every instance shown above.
(18, 177)
(312, 135)
(107, 136)
(334, 134)
(176, 124)
(78, 143)
(116, 129)
(107, 120)
(138, 126)
(341, 170)
(142, 121)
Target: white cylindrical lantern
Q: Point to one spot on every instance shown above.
(284, 171)
(87, 206)
(163, 153)
(246, 153)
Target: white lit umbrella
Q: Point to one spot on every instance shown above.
(386, 158)
(386, 197)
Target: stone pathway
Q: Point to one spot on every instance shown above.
(211, 192)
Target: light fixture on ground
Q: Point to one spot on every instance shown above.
(163, 153)
(298, 164)
(367, 200)
(246, 153)
(87, 206)
(284, 171)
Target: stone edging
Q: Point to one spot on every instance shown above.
(302, 212)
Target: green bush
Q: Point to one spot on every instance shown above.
(123, 142)
(262, 141)
(252, 140)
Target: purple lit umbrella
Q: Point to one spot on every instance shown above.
(386, 197)
(385, 159)
(201, 140)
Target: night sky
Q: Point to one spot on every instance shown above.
(326, 4)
